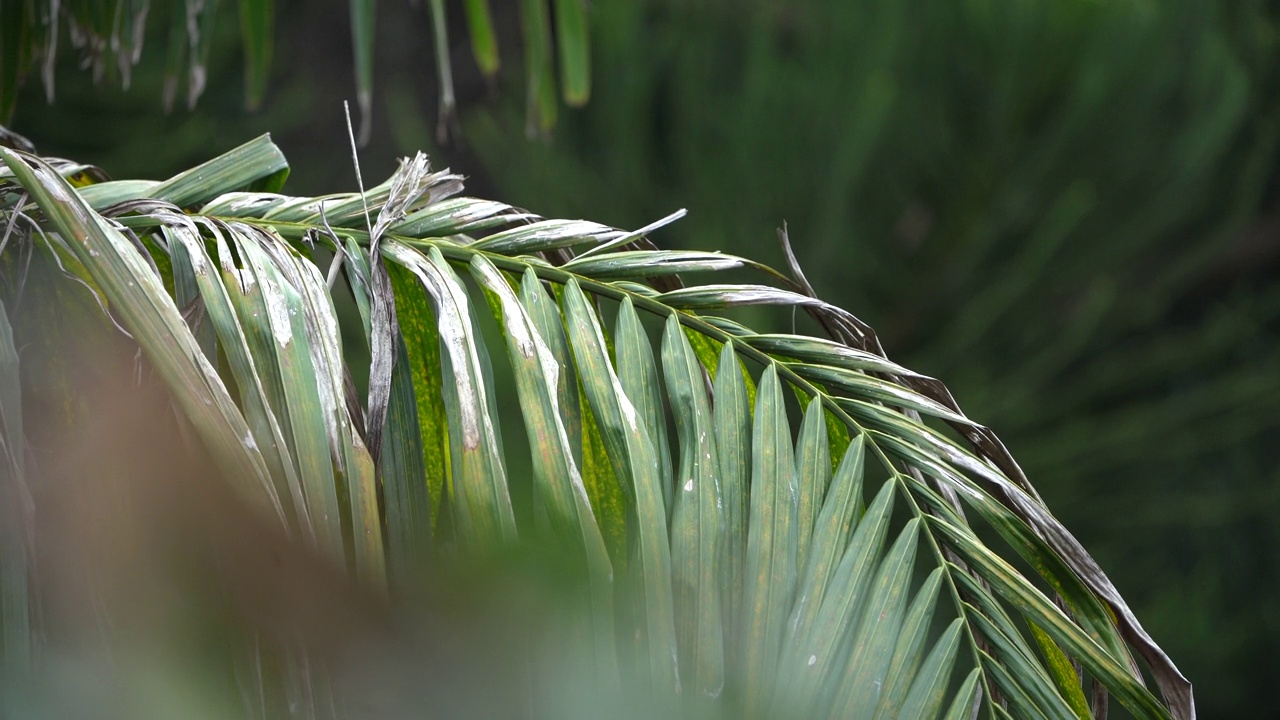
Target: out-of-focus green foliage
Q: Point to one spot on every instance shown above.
(107, 36)
(869, 565)
(1065, 207)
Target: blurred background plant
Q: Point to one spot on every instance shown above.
(1066, 209)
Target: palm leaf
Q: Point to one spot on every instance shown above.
(725, 560)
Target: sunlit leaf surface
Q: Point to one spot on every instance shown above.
(758, 525)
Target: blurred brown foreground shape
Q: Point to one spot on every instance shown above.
(164, 595)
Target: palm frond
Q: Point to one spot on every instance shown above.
(866, 564)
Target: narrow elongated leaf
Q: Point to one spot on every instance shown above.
(484, 43)
(361, 479)
(255, 165)
(1021, 704)
(545, 316)
(352, 460)
(152, 318)
(200, 24)
(861, 385)
(909, 652)
(716, 297)
(962, 706)
(697, 526)
(929, 688)
(829, 540)
(346, 210)
(457, 215)
(296, 210)
(421, 337)
(604, 487)
(859, 689)
(981, 598)
(728, 326)
(444, 68)
(575, 50)
(405, 481)
(632, 264)
(811, 658)
(186, 293)
(78, 174)
(813, 474)
(547, 235)
(280, 314)
(825, 352)
(608, 497)
(486, 361)
(1033, 684)
(732, 413)
(1090, 613)
(363, 20)
(557, 482)
(1061, 671)
(540, 81)
(238, 204)
(637, 235)
(176, 57)
(103, 195)
(1017, 590)
(356, 264)
(481, 502)
(638, 373)
(911, 437)
(234, 339)
(635, 462)
(771, 541)
(257, 21)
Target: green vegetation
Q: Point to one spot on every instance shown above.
(108, 37)
(1062, 208)
(724, 560)
(1066, 209)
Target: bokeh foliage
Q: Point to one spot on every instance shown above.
(107, 38)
